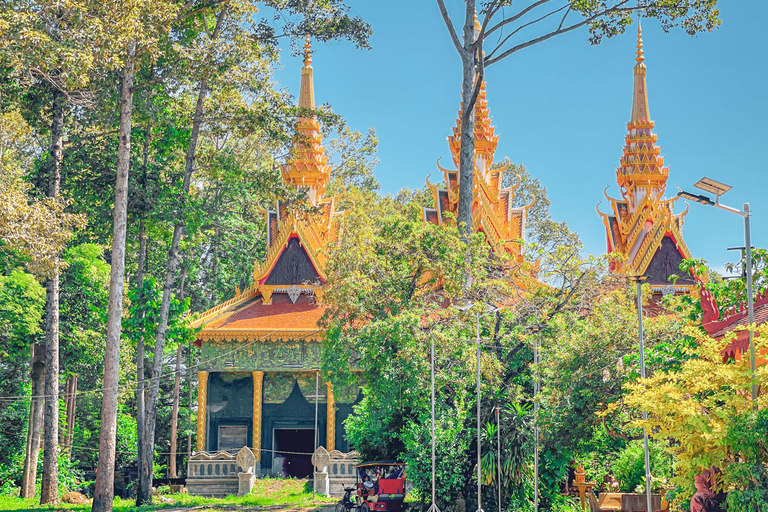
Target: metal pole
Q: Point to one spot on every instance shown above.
(479, 483)
(536, 426)
(642, 374)
(498, 451)
(317, 392)
(433, 424)
(750, 300)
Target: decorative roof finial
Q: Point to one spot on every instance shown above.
(640, 58)
(307, 52)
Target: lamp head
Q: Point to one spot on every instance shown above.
(701, 199)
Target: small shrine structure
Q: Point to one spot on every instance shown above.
(642, 226)
(261, 350)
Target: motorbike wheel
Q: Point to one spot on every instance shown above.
(340, 507)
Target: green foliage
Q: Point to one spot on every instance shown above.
(22, 305)
(748, 475)
(353, 158)
(729, 292)
(144, 316)
(702, 407)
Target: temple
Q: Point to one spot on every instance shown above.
(492, 210)
(642, 227)
(260, 351)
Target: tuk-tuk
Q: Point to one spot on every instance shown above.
(380, 486)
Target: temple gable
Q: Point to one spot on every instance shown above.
(293, 267)
(665, 263)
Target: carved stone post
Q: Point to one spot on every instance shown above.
(330, 420)
(202, 400)
(258, 382)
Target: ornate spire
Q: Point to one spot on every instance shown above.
(485, 138)
(640, 97)
(641, 170)
(307, 165)
(307, 91)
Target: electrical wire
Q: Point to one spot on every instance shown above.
(161, 377)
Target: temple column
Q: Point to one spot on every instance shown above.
(258, 383)
(202, 400)
(330, 420)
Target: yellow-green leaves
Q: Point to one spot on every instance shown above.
(38, 229)
(697, 404)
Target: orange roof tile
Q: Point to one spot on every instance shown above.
(256, 318)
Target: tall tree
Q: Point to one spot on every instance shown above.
(522, 24)
(49, 487)
(142, 26)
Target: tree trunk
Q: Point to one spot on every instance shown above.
(105, 472)
(467, 154)
(70, 397)
(176, 391)
(35, 428)
(140, 374)
(145, 493)
(175, 417)
(49, 490)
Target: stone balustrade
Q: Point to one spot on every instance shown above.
(212, 474)
(334, 470)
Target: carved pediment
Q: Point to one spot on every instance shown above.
(666, 262)
(293, 267)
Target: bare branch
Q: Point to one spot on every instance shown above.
(516, 17)
(561, 31)
(564, 16)
(521, 27)
(449, 25)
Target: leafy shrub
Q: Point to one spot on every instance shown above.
(629, 467)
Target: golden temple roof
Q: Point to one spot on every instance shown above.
(293, 271)
(643, 226)
(492, 210)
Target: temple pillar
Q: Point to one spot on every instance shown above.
(330, 420)
(258, 382)
(202, 400)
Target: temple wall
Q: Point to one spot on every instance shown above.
(230, 404)
(286, 402)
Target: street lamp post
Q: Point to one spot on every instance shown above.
(639, 280)
(498, 452)
(536, 388)
(433, 507)
(718, 189)
(478, 316)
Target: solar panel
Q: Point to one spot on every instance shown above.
(712, 186)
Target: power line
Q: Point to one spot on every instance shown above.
(19, 398)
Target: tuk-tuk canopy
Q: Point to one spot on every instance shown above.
(380, 463)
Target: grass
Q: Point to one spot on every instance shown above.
(266, 491)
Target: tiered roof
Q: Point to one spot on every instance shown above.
(492, 210)
(733, 319)
(285, 298)
(643, 226)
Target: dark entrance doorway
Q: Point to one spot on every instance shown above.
(295, 445)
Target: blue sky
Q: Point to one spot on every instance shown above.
(561, 109)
